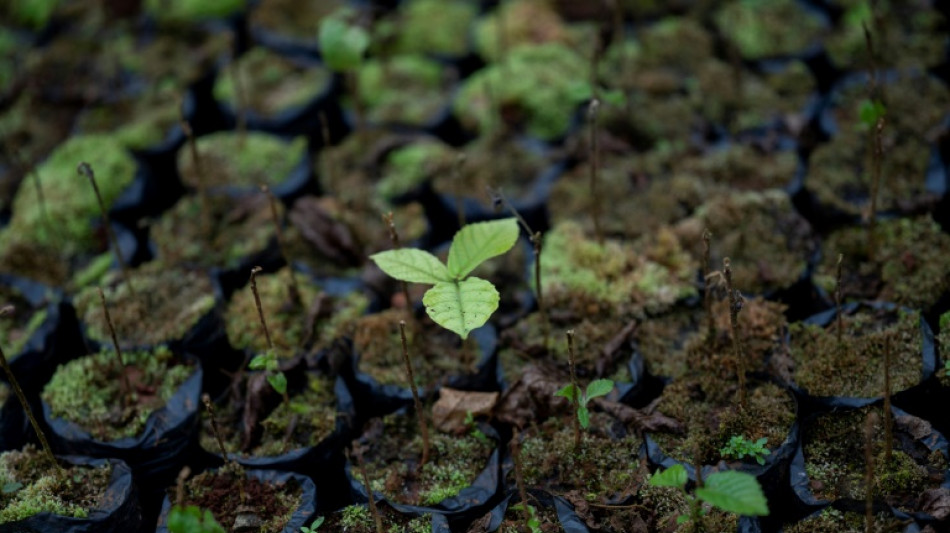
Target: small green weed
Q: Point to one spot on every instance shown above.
(596, 388)
(739, 447)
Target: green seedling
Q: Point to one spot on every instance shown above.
(740, 447)
(314, 526)
(267, 362)
(870, 111)
(595, 389)
(473, 427)
(730, 491)
(534, 524)
(192, 519)
(457, 302)
(342, 44)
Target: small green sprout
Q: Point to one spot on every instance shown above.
(342, 43)
(739, 447)
(314, 526)
(534, 524)
(456, 302)
(730, 491)
(596, 388)
(473, 427)
(870, 111)
(192, 519)
(267, 362)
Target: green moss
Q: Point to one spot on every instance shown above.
(285, 320)
(94, 271)
(358, 519)
(435, 27)
(578, 272)
(30, 487)
(138, 123)
(413, 164)
(166, 305)
(34, 14)
(742, 167)
(754, 26)
(16, 330)
(70, 200)
(405, 89)
(454, 463)
(237, 228)
(88, 391)
(292, 18)
(182, 11)
(542, 85)
(526, 22)
(831, 519)
(272, 82)
(228, 161)
(312, 412)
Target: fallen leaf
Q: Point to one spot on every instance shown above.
(449, 413)
(329, 237)
(642, 419)
(935, 502)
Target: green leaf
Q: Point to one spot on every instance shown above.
(342, 45)
(734, 492)
(279, 382)
(567, 391)
(583, 416)
(461, 306)
(11, 487)
(871, 111)
(259, 362)
(682, 519)
(674, 476)
(476, 243)
(599, 387)
(412, 265)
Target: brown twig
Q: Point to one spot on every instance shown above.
(200, 179)
(594, 167)
(180, 486)
(293, 289)
(515, 446)
(240, 99)
(25, 404)
(869, 472)
(878, 155)
(707, 293)
(575, 398)
(377, 518)
(888, 419)
(840, 321)
(206, 400)
(394, 238)
(126, 398)
(735, 305)
(260, 309)
(85, 170)
(420, 414)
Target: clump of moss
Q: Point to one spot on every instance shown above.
(454, 463)
(834, 452)
(232, 159)
(435, 27)
(88, 390)
(541, 100)
(742, 167)
(404, 89)
(600, 470)
(70, 201)
(237, 229)
(272, 83)
(525, 22)
(756, 27)
(855, 367)
(409, 166)
(291, 18)
(18, 328)
(943, 348)
(911, 258)
(358, 519)
(30, 487)
(741, 102)
(137, 123)
(215, 490)
(186, 11)
(34, 15)
(166, 305)
(832, 519)
(582, 275)
(286, 319)
(769, 243)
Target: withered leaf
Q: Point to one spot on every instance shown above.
(449, 413)
(329, 237)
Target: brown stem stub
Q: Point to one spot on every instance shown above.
(594, 167)
(85, 170)
(394, 238)
(377, 518)
(420, 414)
(707, 292)
(869, 424)
(840, 322)
(293, 289)
(888, 419)
(515, 446)
(126, 397)
(260, 309)
(575, 398)
(735, 305)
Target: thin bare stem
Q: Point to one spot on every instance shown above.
(118, 350)
(260, 309)
(180, 486)
(888, 419)
(594, 167)
(707, 293)
(326, 165)
(293, 289)
(394, 238)
(575, 398)
(206, 400)
(869, 472)
(515, 446)
(457, 178)
(25, 404)
(377, 518)
(695, 506)
(878, 156)
(200, 180)
(420, 414)
(735, 305)
(840, 321)
(240, 99)
(37, 184)
(85, 170)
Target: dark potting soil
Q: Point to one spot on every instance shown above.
(220, 492)
(359, 519)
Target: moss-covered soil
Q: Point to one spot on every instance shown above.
(358, 519)
(230, 159)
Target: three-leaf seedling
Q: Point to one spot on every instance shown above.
(458, 302)
(739, 447)
(595, 389)
(192, 519)
(267, 362)
(314, 526)
(730, 491)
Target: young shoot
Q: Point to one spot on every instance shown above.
(417, 403)
(594, 167)
(730, 491)
(595, 389)
(457, 302)
(126, 386)
(707, 290)
(293, 289)
(394, 239)
(267, 361)
(314, 526)
(25, 404)
(529, 515)
(192, 519)
(85, 170)
(735, 305)
(740, 447)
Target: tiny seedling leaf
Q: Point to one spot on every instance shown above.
(567, 391)
(412, 265)
(259, 362)
(674, 476)
(682, 519)
(599, 387)
(278, 381)
(583, 416)
(461, 306)
(871, 111)
(192, 519)
(476, 243)
(734, 492)
(11, 487)
(342, 45)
